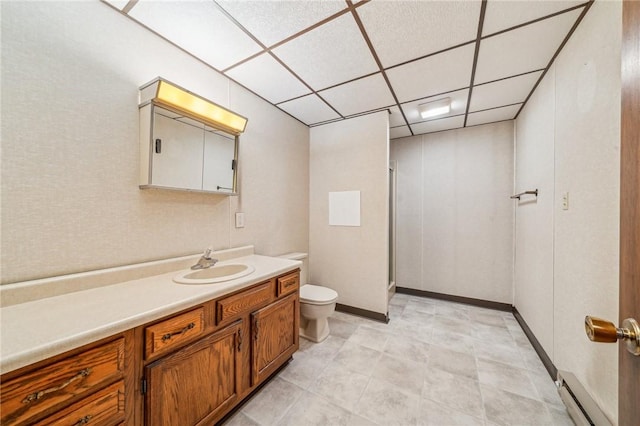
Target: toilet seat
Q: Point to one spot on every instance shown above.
(317, 295)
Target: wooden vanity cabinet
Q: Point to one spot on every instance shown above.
(89, 385)
(214, 355)
(189, 368)
(274, 336)
(193, 385)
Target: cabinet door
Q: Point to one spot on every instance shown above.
(197, 383)
(177, 158)
(274, 336)
(219, 152)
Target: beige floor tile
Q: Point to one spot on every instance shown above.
(435, 363)
(454, 341)
(507, 354)
(408, 348)
(340, 386)
(507, 378)
(453, 362)
(369, 338)
(546, 388)
(451, 324)
(407, 374)
(508, 409)
(386, 404)
(431, 413)
(311, 409)
(341, 328)
(327, 349)
(304, 369)
(357, 358)
(493, 334)
(273, 400)
(457, 392)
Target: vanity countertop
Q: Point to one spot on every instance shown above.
(38, 329)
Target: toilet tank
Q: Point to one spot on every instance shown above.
(304, 269)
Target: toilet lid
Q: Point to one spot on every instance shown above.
(315, 294)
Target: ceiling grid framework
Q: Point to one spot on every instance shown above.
(322, 61)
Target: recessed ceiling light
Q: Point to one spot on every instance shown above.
(435, 108)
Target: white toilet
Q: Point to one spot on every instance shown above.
(317, 303)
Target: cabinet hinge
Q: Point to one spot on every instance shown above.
(143, 385)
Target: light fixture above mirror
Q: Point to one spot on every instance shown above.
(172, 96)
(435, 108)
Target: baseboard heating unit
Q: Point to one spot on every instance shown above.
(581, 407)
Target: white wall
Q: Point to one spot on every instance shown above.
(454, 216)
(582, 95)
(351, 155)
(533, 269)
(70, 197)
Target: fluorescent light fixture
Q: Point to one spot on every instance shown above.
(435, 108)
(173, 97)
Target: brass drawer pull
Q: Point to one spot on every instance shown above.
(175, 333)
(289, 283)
(38, 395)
(83, 421)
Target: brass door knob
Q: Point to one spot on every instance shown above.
(599, 330)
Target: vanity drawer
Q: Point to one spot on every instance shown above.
(168, 334)
(104, 408)
(234, 306)
(49, 387)
(288, 284)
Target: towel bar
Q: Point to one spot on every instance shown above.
(525, 193)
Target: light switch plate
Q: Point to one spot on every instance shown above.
(239, 220)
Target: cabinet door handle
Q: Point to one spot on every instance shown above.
(83, 421)
(38, 395)
(175, 333)
(239, 340)
(255, 326)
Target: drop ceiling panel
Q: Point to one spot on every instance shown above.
(309, 109)
(458, 105)
(327, 52)
(360, 95)
(525, 49)
(268, 78)
(439, 73)
(492, 115)
(501, 15)
(405, 30)
(273, 21)
(194, 27)
(438, 125)
(328, 55)
(503, 92)
(399, 132)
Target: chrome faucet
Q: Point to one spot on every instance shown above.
(205, 261)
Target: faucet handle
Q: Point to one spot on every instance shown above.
(207, 253)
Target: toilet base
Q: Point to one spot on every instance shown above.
(314, 330)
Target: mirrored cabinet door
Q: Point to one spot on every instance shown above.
(177, 152)
(219, 154)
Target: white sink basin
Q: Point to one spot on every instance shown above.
(216, 274)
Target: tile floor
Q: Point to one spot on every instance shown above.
(435, 363)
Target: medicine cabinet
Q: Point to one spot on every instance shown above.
(187, 142)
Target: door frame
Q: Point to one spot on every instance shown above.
(629, 304)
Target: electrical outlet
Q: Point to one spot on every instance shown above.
(239, 220)
(565, 201)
